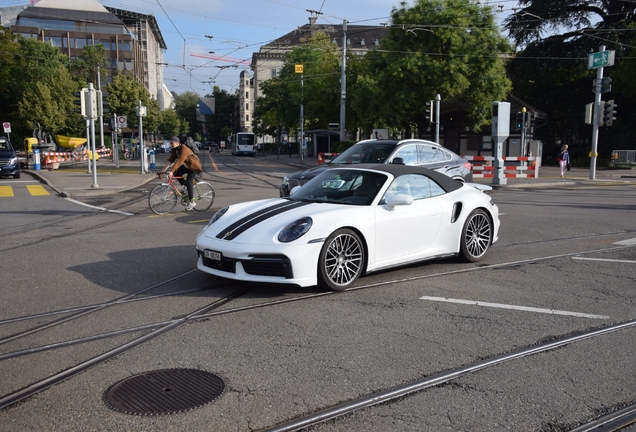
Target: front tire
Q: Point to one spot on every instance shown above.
(205, 196)
(162, 199)
(341, 260)
(476, 236)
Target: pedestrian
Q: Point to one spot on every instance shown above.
(564, 159)
(185, 163)
(289, 148)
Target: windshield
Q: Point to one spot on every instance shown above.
(4, 145)
(351, 187)
(365, 153)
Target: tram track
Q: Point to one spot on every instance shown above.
(209, 311)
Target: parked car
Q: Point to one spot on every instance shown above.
(418, 152)
(9, 164)
(348, 221)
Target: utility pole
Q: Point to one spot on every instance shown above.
(598, 61)
(523, 131)
(91, 109)
(299, 69)
(100, 110)
(343, 81)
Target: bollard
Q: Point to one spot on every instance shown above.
(152, 160)
(36, 160)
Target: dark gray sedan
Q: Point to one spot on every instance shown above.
(426, 154)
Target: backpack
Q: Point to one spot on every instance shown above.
(192, 146)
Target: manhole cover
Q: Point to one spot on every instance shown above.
(165, 391)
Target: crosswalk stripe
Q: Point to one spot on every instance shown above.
(6, 191)
(37, 190)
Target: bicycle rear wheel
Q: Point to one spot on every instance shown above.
(162, 199)
(204, 196)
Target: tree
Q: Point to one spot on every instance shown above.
(185, 106)
(41, 89)
(550, 71)
(124, 94)
(219, 125)
(84, 68)
(447, 47)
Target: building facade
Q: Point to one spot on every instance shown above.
(132, 41)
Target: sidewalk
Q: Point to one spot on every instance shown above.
(73, 180)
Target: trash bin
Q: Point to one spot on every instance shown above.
(153, 165)
(36, 160)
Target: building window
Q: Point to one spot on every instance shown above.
(247, 106)
(247, 95)
(247, 117)
(272, 73)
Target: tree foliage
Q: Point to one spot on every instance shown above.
(447, 47)
(550, 70)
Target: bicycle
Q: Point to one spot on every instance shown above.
(163, 198)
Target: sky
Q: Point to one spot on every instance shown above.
(237, 28)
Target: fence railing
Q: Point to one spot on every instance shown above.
(623, 157)
(514, 166)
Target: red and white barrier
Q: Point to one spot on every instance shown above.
(326, 157)
(483, 166)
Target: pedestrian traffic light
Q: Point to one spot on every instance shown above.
(429, 111)
(531, 120)
(80, 101)
(519, 122)
(608, 112)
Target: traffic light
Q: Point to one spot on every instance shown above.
(102, 105)
(606, 87)
(608, 112)
(531, 119)
(81, 101)
(589, 111)
(519, 122)
(429, 111)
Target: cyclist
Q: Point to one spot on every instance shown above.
(185, 162)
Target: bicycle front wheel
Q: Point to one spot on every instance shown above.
(204, 196)
(162, 199)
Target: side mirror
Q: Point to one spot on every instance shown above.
(398, 161)
(398, 200)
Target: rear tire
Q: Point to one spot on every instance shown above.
(204, 196)
(162, 199)
(476, 236)
(341, 260)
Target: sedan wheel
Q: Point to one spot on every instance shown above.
(341, 260)
(476, 236)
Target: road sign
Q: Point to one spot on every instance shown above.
(298, 68)
(600, 59)
(7, 127)
(122, 122)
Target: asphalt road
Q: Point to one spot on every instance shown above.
(558, 270)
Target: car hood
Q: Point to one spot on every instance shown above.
(260, 222)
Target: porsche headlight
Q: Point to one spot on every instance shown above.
(295, 230)
(218, 215)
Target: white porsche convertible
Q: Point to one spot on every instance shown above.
(347, 222)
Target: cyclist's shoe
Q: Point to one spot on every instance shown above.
(190, 206)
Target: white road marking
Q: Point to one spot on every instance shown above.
(99, 208)
(521, 308)
(604, 259)
(628, 242)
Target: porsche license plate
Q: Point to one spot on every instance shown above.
(212, 255)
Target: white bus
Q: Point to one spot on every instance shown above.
(243, 143)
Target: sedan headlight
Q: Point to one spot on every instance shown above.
(295, 230)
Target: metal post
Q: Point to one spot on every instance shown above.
(438, 99)
(523, 132)
(91, 107)
(302, 119)
(88, 143)
(343, 81)
(596, 119)
(115, 144)
(141, 138)
(100, 110)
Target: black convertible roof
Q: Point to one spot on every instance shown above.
(447, 183)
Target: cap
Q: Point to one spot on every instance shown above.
(175, 139)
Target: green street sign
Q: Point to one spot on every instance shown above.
(600, 59)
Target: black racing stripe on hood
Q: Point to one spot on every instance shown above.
(249, 221)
